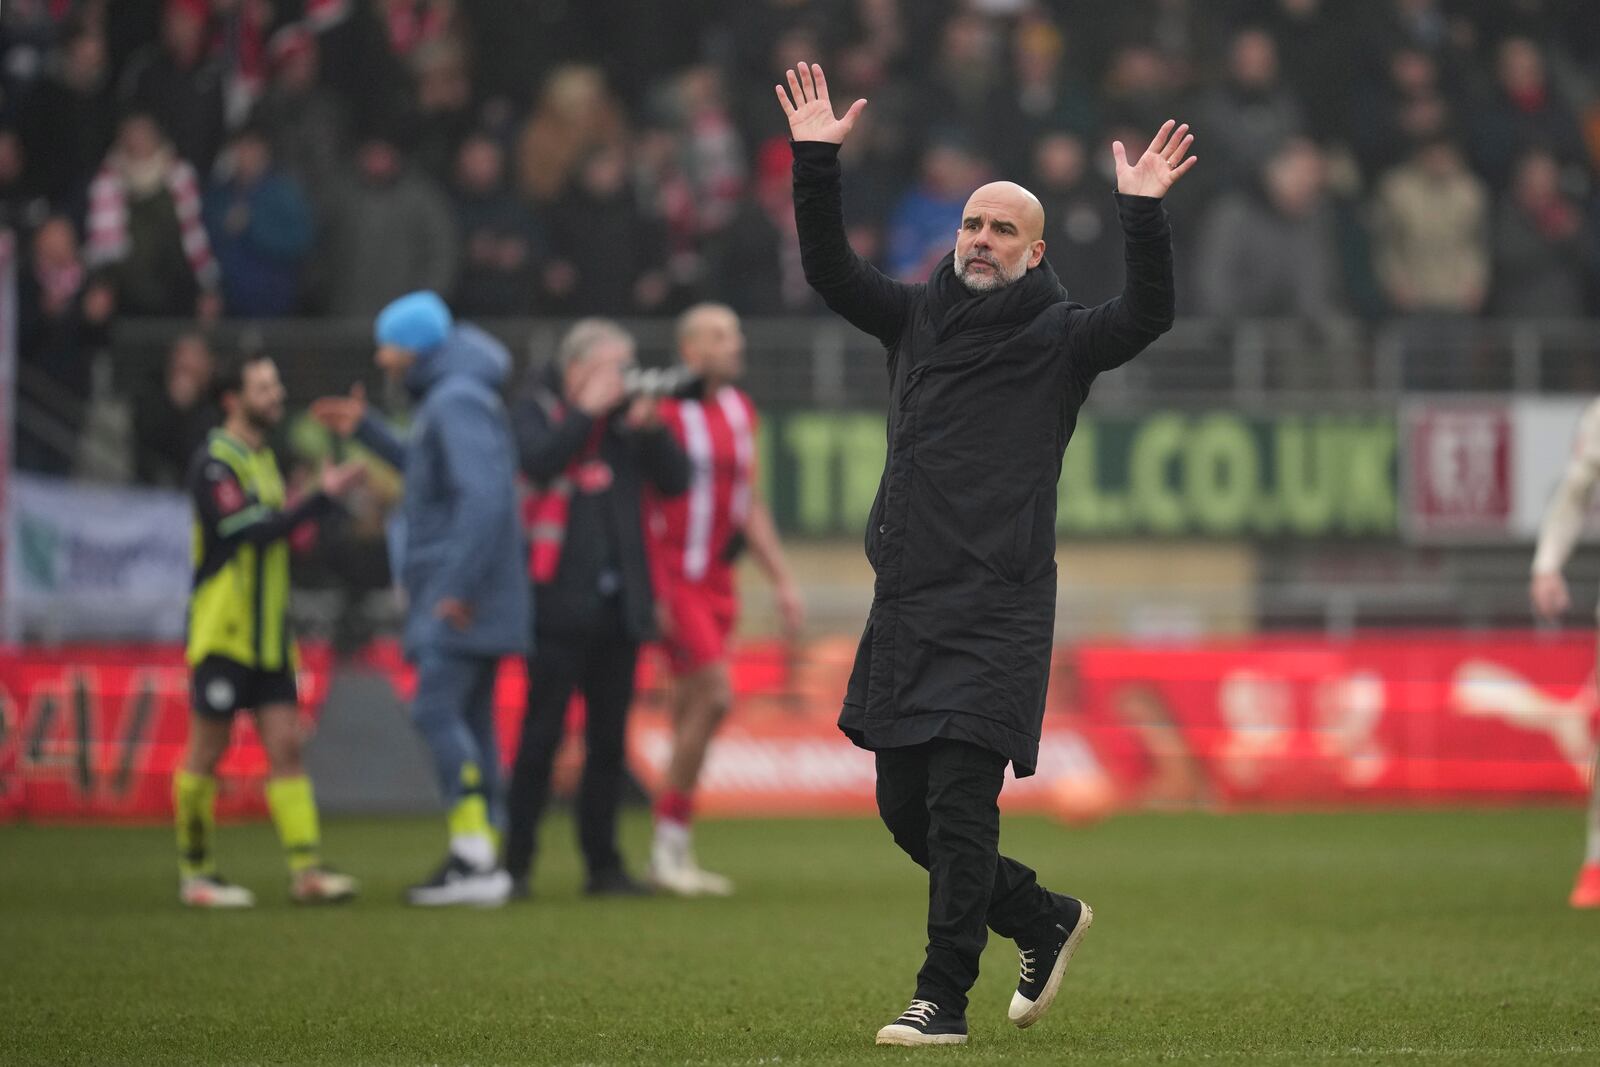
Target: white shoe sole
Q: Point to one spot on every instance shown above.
(714, 885)
(1025, 1012)
(678, 883)
(479, 891)
(217, 905)
(895, 1034)
(236, 898)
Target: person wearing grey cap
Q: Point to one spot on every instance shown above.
(461, 566)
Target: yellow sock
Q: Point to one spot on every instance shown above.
(194, 811)
(294, 813)
(469, 816)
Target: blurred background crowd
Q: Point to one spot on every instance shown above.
(255, 159)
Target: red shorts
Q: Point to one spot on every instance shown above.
(701, 617)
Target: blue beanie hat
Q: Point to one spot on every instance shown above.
(417, 322)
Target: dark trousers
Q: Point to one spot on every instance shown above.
(940, 800)
(601, 666)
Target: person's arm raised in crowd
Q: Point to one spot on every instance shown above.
(1110, 334)
(848, 284)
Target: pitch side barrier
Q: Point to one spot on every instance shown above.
(1385, 718)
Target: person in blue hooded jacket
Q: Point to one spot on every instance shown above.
(461, 565)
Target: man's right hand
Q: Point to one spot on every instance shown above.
(809, 110)
(597, 389)
(1548, 592)
(337, 481)
(342, 414)
(457, 613)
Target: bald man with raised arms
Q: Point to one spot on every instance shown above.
(988, 363)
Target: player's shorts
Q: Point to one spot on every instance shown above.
(701, 619)
(218, 687)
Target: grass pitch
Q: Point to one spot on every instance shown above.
(1437, 938)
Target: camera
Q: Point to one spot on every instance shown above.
(662, 383)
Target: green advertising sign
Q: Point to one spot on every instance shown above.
(1174, 474)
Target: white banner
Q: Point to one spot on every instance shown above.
(1482, 469)
(90, 562)
(1546, 428)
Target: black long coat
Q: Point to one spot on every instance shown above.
(985, 394)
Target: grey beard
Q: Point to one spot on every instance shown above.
(987, 283)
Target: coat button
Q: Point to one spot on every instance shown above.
(883, 529)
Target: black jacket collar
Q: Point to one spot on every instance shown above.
(957, 309)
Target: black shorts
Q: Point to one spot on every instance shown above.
(218, 687)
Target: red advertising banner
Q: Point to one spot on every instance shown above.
(1392, 718)
(1384, 718)
(95, 732)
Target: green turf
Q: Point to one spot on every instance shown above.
(1437, 938)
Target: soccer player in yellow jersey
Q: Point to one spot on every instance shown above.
(240, 652)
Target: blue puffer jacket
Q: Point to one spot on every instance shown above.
(463, 535)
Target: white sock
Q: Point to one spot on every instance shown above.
(1591, 852)
(671, 834)
(476, 849)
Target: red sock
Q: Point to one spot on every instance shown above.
(673, 806)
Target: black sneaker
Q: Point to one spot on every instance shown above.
(925, 1023)
(1043, 963)
(617, 883)
(458, 882)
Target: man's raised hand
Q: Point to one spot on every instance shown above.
(341, 414)
(809, 110)
(1162, 164)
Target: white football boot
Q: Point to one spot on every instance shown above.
(213, 891)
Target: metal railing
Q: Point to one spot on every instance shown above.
(823, 362)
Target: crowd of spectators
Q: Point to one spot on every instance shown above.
(261, 158)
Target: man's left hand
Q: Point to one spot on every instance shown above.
(458, 613)
(1163, 163)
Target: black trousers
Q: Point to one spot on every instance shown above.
(940, 800)
(601, 665)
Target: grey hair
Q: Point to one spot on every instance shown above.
(585, 335)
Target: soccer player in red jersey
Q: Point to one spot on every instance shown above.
(694, 541)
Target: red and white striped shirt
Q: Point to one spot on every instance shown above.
(689, 534)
